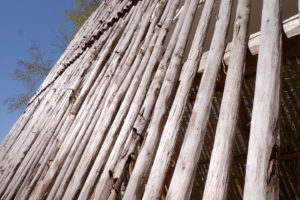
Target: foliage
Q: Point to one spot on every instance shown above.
(30, 73)
(62, 39)
(80, 13)
(35, 69)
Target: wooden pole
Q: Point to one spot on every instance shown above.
(71, 160)
(262, 164)
(93, 77)
(144, 160)
(100, 130)
(145, 81)
(182, 180)
(219, 169)
(127, 140)
(42, 108)
(171, 129)
(55, 145)
(81, 121)
(27, 142)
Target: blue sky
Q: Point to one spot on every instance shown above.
(20, 22)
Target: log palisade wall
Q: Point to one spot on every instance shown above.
(165, 99)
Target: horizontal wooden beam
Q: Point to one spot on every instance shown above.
(291, 28)
(242, 158)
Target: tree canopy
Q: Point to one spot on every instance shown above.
(81, 12)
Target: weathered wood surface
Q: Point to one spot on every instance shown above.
(291, 26)
(76, 151)
(78, 128)
(186, 165)
(165, 150)
(108, 142)
(108, 118)
(68, 98)
(262, 160)
(125, 146)
(106, 183)
(29, 112)
(219, 169)
(142, 166)
(27, 141)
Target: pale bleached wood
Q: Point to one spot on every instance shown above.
(121, 151)
(26, 136)
(90, 151)
(146, 155)
(262, 160)
(91, 80)
(32, 150)
(91, 99)
(70, 90)
(22, 192)
(27, 140)
(14, 133)
(26, 168)
(216, 184)
(109, 140)
(171, 129)
(74, 74)
(46, 113)
(45, 183)
(154, 50)
(6, 145)
(104, 151)
(48, 76)
(24, 163)
(291, 26)
(96, 117)
(185, 169)
(88, 125)
(51, 152)
(94, 151)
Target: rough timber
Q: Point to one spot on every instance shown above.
(166, 99)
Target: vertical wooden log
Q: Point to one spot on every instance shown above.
(51, 152)
(185, 169)
(168, 141)
(145, 158)
(93, 77)
(78, 76)
(22, 192)
(27, 165)
(24, 150)
(91, 150)
(34, 140)
(219, 169)
(262, 161)
(77, 130)
(54, 122)
(26, 135)
(125, 146)
(105, 182)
